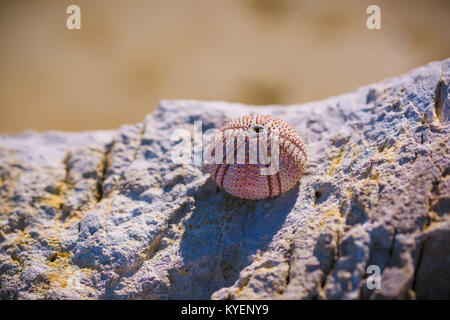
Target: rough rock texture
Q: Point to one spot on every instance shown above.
(108, 215)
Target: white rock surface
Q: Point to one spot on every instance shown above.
(108, 215)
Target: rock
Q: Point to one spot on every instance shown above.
(108, 215)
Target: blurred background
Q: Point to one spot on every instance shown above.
(130, 54)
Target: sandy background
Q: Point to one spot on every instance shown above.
(130, 54)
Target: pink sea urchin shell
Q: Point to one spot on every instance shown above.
(244, 179)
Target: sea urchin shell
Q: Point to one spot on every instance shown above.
(242, 168)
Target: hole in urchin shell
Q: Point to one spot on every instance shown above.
(257, 129)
